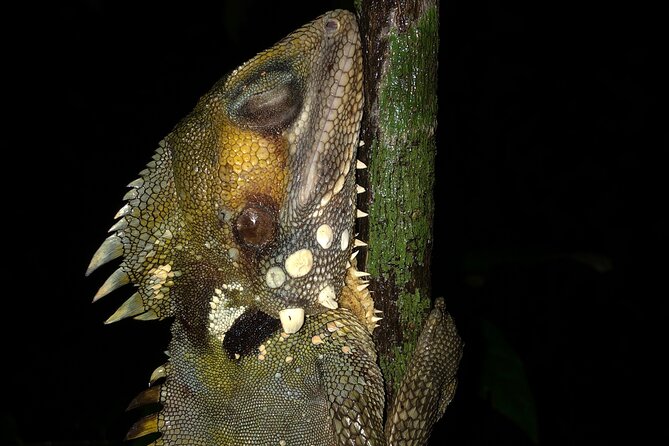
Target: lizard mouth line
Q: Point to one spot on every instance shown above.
(333, 107)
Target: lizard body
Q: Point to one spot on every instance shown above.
(241, 229)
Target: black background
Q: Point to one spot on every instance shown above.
(549, 202)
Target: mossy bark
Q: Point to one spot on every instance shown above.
(400, 47)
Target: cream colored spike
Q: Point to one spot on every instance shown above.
(110, 249)
(137, 183)
(357, 243)
(130, 195)
(129, 308)
(113, 282)
(125, 210)
(357, 273)
(362, 286)
(119, 225)
(160, 372)
(150, 315)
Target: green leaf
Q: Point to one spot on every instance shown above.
(504, 382)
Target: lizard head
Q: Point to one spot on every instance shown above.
(249, 203)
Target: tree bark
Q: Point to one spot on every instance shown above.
(400, 49)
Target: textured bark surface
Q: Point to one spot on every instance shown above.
(400, 50)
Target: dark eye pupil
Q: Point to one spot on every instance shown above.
(255, 226)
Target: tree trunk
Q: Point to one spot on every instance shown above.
(400, 49)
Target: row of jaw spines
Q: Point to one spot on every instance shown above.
(149, 424)
(292, 319)
(112, 248)
(358, 280)
(359, 298)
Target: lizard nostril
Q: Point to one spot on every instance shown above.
(331, 26)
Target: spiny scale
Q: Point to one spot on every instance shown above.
(119, 225)
(145, 426)
(125, 210)
(150, 315)
(358, 243)
(110, 249)
(137, 183)
(357, 273)
(146, 397)
(113, 282)
(157, 374)
(131, 194)
(131, 307)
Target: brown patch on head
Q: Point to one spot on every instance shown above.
(256, 227)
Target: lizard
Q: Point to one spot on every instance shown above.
(241, 231)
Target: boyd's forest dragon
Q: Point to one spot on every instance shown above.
(241, 229)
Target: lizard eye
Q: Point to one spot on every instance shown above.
(256, 226)
(270, 101)
(331, 26)
(271, 109)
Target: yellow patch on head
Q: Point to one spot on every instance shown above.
(250, 163)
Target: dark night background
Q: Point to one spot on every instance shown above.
(548, 206)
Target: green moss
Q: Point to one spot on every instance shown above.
(412, 309)
(358, 5)
(402, 160)
(401, 169)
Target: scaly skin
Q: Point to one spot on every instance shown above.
(241, 230)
